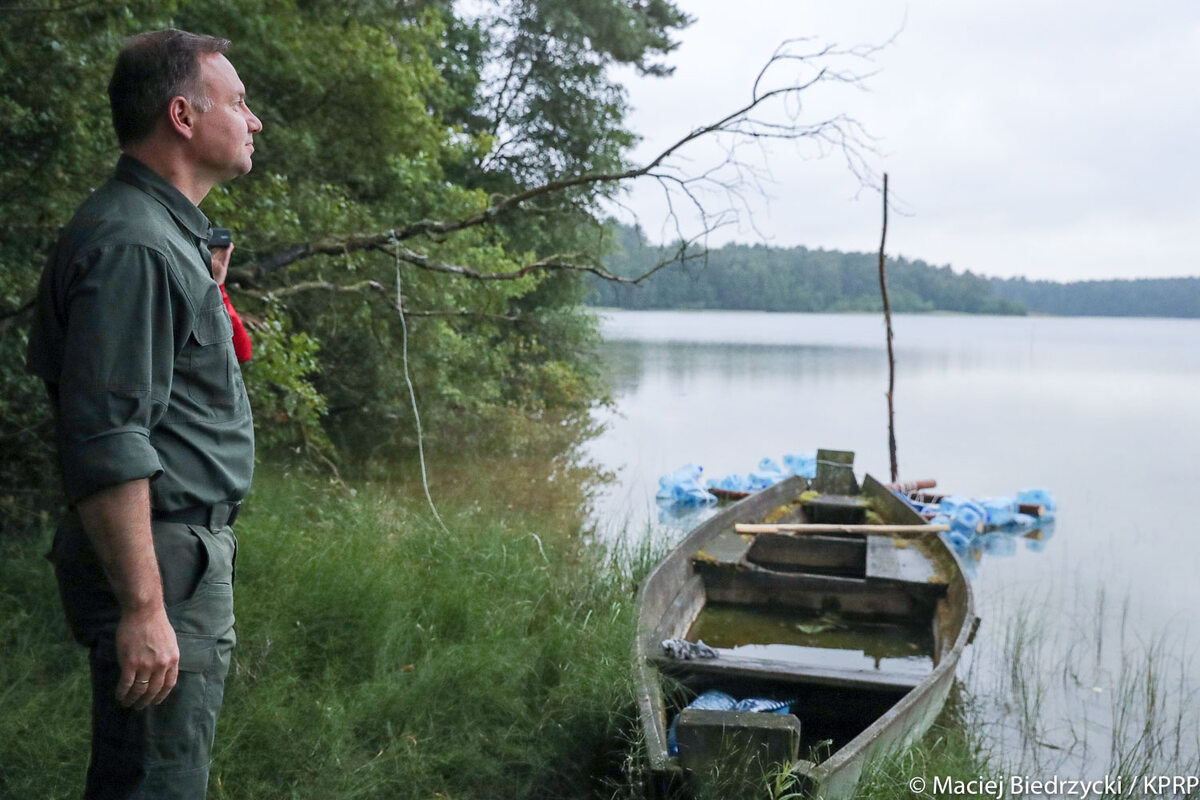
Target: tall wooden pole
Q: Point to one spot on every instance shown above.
(887, 317)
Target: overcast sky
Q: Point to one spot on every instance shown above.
(1051, 140)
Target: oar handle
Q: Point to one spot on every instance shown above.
(809, 527)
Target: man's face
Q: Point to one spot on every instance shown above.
(224, 135)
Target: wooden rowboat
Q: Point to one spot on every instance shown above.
(860, 628)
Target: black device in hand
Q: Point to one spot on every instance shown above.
(221, 237)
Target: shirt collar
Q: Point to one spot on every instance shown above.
(139, 176)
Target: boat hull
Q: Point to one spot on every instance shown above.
(876, 580)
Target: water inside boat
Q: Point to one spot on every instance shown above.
(824, 640)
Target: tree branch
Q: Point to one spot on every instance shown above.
(743, 125)
(840, 132)
(308, 286)
(556, 261)
(372, 286)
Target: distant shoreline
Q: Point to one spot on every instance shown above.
(934, 313)
(739, 277)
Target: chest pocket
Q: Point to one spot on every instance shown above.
(210, 363)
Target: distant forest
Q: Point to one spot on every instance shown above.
(1145, 297)
(761, 278)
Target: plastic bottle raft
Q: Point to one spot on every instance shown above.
(971, 520)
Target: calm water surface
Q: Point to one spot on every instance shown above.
(1103, 412)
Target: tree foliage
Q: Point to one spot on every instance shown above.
(1142, 297)
(547, 89)
(762, 278)
(415, 158)
(378, 116)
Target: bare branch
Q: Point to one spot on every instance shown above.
(308, 286)
(554, 262)
(374, 286)
(408, 312)
(514, 51)
(743, 125)
(504, 101)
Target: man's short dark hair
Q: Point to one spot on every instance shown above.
(151, 69)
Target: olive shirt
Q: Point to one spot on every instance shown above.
(135, 346)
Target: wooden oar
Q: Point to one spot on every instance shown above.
(808, 527)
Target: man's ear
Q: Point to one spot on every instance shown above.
(181, 116)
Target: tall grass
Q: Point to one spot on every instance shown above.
(378, 657)
(44, 686)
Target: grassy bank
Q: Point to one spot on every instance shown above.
(379, 655)
(383, 657)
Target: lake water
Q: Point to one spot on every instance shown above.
(1102, 412)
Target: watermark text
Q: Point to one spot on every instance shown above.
(1019, 786)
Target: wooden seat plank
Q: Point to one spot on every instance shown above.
(731, 664)
(726, 548)
(900, 560)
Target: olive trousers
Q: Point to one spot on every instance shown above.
(162, 752)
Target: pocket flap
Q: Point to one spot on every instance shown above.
(196, 653)
(213, 325)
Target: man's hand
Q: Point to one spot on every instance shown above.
(117, 521)
(148, 653)
(220, 263)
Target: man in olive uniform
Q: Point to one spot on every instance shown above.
(157, 445)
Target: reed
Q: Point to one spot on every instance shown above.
(1086, 694)
(1090, 691)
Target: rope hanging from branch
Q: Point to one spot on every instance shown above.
(412, 393)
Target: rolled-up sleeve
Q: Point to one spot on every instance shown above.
(118, 359)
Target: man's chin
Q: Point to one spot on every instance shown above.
(241, 169)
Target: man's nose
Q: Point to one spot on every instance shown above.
(253, 122)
